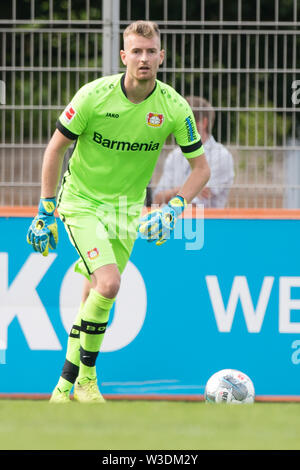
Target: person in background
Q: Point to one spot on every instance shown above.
(177, 168)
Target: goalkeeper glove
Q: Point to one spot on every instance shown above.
(42, 233)
(158, 224)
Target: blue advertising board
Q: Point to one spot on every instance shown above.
(183, 312)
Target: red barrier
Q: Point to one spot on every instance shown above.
(293, 214)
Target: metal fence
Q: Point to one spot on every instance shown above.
(245, 61)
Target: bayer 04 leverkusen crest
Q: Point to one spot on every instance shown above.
(155, 119)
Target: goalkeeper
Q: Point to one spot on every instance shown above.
(119, 124)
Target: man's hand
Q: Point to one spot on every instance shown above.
(206, 193)
(42, 233)
(158, 224)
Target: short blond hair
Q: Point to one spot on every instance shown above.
(147, 29)
(208, 111)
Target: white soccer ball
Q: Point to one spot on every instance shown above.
(229, 386)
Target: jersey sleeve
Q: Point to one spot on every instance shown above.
(73, 120)
(186, 133)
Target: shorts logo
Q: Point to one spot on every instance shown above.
(155, 119)
(92, 254)
(69, 113)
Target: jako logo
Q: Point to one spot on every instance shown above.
(112, 115)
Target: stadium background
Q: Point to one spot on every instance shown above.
(244, 58)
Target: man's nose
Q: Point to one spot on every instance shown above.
(144, 56)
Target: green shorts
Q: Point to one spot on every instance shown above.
(102, 234)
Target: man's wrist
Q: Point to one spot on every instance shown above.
(47, 205)
(182, 198)
(178, 203)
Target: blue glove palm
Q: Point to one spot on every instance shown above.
(158, 224)
(42, 233)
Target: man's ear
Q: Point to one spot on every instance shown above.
(162, 56)
(123, 56)
(205, 123)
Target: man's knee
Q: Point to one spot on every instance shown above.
(109, 287)
(108, 280)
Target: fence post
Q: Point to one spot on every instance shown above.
(292, 178)
(111, 37)
(2, 92)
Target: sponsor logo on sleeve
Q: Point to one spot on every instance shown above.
(69, 113)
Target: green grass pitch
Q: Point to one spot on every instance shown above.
(134, 425)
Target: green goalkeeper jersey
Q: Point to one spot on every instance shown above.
(118, 142)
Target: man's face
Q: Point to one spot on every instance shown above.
(142, 56)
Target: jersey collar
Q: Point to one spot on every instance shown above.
(124, 90)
